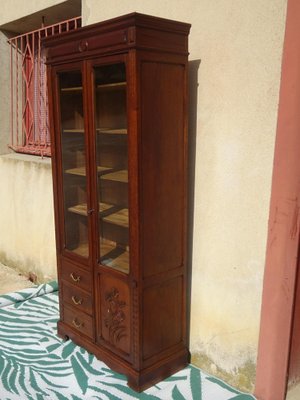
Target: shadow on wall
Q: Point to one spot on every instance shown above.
(244, 377)
(192, 121)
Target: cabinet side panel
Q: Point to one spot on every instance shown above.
(162, 318)
(163, 171)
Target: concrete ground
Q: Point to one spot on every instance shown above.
(11, 280)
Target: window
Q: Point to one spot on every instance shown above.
(29, 102)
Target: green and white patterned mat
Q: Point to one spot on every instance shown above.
(36, 365)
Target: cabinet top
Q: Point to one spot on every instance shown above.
(133, 30)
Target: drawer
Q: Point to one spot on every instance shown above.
(78, 320)
(86, 44)
(107, 39)
(76, 276)
(77, 298)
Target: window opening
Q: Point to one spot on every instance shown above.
(28, 83)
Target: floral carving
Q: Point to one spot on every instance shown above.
(115, 316)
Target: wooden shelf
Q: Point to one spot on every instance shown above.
(120, 131)
(111, 86)
(106, 131)
(117, 176)
(119, 218)
(81, 171)
(114, 257)
(71, 89)
(81, 209)
(107, 86)
(82, 250)
(103, 170)
(79, 130)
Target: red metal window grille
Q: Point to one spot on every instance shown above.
(28, 81)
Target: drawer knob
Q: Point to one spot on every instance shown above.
(77, 324)
(74, 277)
(75, 301)
(83, 46)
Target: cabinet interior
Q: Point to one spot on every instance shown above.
(111, 145)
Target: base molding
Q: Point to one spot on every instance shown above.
(138, 380)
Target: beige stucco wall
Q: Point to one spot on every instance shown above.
(26, 215)
(5, 94)
(240, 45)
(15, 9)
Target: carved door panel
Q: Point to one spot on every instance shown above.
(113, 327)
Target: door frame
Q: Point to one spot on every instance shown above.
(279, 288)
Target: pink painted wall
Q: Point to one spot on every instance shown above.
(283, 234)
(294, 363)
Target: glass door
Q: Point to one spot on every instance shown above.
(112, 165)
(73, 159)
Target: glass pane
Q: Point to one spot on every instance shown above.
(73, 163)
(112, 165)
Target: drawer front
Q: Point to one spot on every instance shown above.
(88, 44)
(78, 320)
(104, 40)
(77, 298)
(76, 276)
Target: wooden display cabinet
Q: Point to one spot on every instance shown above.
(118, 116)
